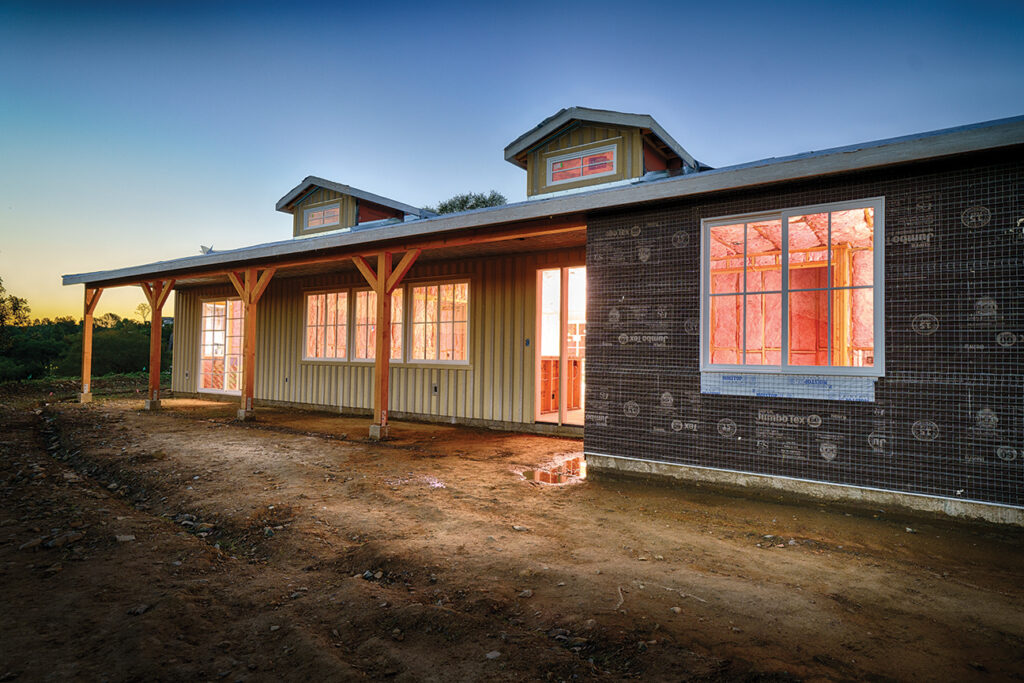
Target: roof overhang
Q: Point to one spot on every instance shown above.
(311, 182)
(553, 124)
(441, 230)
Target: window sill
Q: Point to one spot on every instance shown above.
(831, 387)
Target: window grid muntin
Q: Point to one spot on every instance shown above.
(210, 349)
(309, 212)
(433, 318)
(581, 155)
(877, 204)
(340, 326)
(397, 320)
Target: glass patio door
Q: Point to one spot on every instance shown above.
(561, 345)
(220, 363)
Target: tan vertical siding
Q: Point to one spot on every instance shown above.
(630, 157)
(497, 384)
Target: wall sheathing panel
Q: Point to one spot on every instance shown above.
(948, 416)
(496, 385)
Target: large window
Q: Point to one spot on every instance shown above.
(568, 168)
(220, 362)
(365, 327)
(440, 322)
(797, 291)
(326, 326)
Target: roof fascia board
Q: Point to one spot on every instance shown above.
(284, 203)
(974, 138)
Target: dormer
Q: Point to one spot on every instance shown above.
(319, 206)
(580, 148)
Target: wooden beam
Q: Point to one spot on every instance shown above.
(239, 287)
(261, 284)
(367, 270)
(168, 287)
(382, 357)
(156, 292)
(147, 288)
(402, 269)
(92, 297)
(250, 287)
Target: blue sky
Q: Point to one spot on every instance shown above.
(133, 132)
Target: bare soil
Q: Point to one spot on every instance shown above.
(184, 545)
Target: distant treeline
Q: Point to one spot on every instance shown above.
(53, 348)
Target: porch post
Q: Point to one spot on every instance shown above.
(92, 296)
(250, 285)
(383, 282)
(382, 352)
(157, 293)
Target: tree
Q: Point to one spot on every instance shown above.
(143, 310)
(469, 201)
(13, 313)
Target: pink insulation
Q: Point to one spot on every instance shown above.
(745, 280)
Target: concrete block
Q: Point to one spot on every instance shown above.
(152, 405)
(85, 398)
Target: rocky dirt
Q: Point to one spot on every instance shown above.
(184, 545)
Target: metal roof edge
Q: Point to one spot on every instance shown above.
(907, 149)
(317, 181)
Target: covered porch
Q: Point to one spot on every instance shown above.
(380, 261)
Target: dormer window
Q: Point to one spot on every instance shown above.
(567, 168)
(321, 217)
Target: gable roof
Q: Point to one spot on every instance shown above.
(553, 123)
(286, 202)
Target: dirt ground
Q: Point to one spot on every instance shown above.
(184, 545)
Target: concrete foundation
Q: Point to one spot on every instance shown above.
(246, 415)
(964, 509)
(152, 404)
(85, 398)
(377, 432)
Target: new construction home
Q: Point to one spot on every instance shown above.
(845, 323)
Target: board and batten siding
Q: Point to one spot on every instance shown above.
(323, 196)
(497, 385)
(627, 140)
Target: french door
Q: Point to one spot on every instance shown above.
(561, 345)
(220, 361)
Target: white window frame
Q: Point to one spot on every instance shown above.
(614, 149)
(355, 324)
(877, 370)
(407, 330)
(320, 207)
(348, 325)
(355, 297)
(199, 368)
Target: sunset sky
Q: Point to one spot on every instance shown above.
(134, 132)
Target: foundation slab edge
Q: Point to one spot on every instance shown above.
(963, 509)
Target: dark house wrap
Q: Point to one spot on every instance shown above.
(947, 414)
